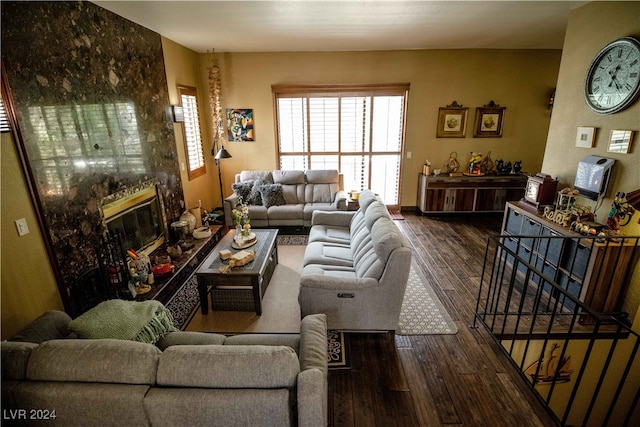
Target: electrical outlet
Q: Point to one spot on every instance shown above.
(21, 225)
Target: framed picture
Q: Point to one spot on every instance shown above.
(452, 121)
(620, 141)
(240, 124)
(489, 119)
(585, 137)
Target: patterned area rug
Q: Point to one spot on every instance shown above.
(338, 355)
(422, 312)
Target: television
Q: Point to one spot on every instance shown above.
(592, 176)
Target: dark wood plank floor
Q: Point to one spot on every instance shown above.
(436, 380)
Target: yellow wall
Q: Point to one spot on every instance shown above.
(182, 67)
(520, 80)
(561, 157)
(28, 285)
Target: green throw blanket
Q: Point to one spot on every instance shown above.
(144, 321)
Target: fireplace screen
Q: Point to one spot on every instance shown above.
(138, 220)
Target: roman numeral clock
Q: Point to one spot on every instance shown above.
(613, 80)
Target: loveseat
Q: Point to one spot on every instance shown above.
(187, 378)
(286, 197)
(356, 268)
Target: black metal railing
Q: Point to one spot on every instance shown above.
(545, 303)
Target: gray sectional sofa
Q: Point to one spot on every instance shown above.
(356, 268)
(286, 197)
(187, 378)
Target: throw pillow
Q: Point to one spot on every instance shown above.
(243, 190)
(52, 325)
(255, 197)
(272, 195)
(145, 321)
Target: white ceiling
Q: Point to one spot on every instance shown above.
(351, 25)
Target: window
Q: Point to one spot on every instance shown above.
(4, 120)
(356, 130)
(191, 130)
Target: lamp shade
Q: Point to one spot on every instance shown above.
(222, 154)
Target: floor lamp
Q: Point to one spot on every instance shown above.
(222, 153)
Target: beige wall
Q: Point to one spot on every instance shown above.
(561, 157)
(28, 285)
(520, 80)
(182, 68)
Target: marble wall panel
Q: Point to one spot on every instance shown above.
(91, 98)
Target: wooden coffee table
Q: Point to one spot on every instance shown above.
(242, 288)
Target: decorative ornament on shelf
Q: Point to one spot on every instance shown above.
(452, 165)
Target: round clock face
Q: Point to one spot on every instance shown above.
(613, 79)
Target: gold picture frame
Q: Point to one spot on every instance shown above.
(620, 141)
(489, 121)
(452, 121)
(585, 137)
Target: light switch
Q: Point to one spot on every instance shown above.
(21, 225)
(408, 154)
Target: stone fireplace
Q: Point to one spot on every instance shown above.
(90, 96)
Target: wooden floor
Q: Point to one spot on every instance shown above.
(436, 380)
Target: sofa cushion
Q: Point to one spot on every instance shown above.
(375, 211)
(101, 361)
(322, 186)
(290, 177)
(145, 321)
(386, 237)
(328, 253)
(51, 325)
(271, 195)
(228, 366)
(365, 199)
(266, 176)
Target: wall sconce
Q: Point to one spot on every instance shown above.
(552, 99)
(177, 113)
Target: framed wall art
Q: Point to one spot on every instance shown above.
(452, 121)
(489, 120)
(620, 141)
(240, 124)
(585, 137)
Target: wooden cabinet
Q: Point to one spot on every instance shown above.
(596, 273)
(468, 194)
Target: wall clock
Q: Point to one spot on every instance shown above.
(613, 80)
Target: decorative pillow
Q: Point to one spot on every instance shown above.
(255, 197)
(51, 325)
(243, 190)
(145, 321)
(272, 195)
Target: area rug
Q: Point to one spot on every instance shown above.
(339, 351)
(422, 312)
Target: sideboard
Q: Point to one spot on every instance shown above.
(596, 272)
(443, 193)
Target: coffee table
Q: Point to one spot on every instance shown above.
(242, 287)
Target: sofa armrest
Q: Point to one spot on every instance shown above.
(229, 203)
(340, 201)
(312, 380)
(312, 398)
(333, 218)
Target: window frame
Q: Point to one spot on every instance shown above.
(342, 91)
(190, 146)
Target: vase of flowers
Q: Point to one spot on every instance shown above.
(241, 220)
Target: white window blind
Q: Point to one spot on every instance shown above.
(192, 135)
(357, 130)
(4, 120)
